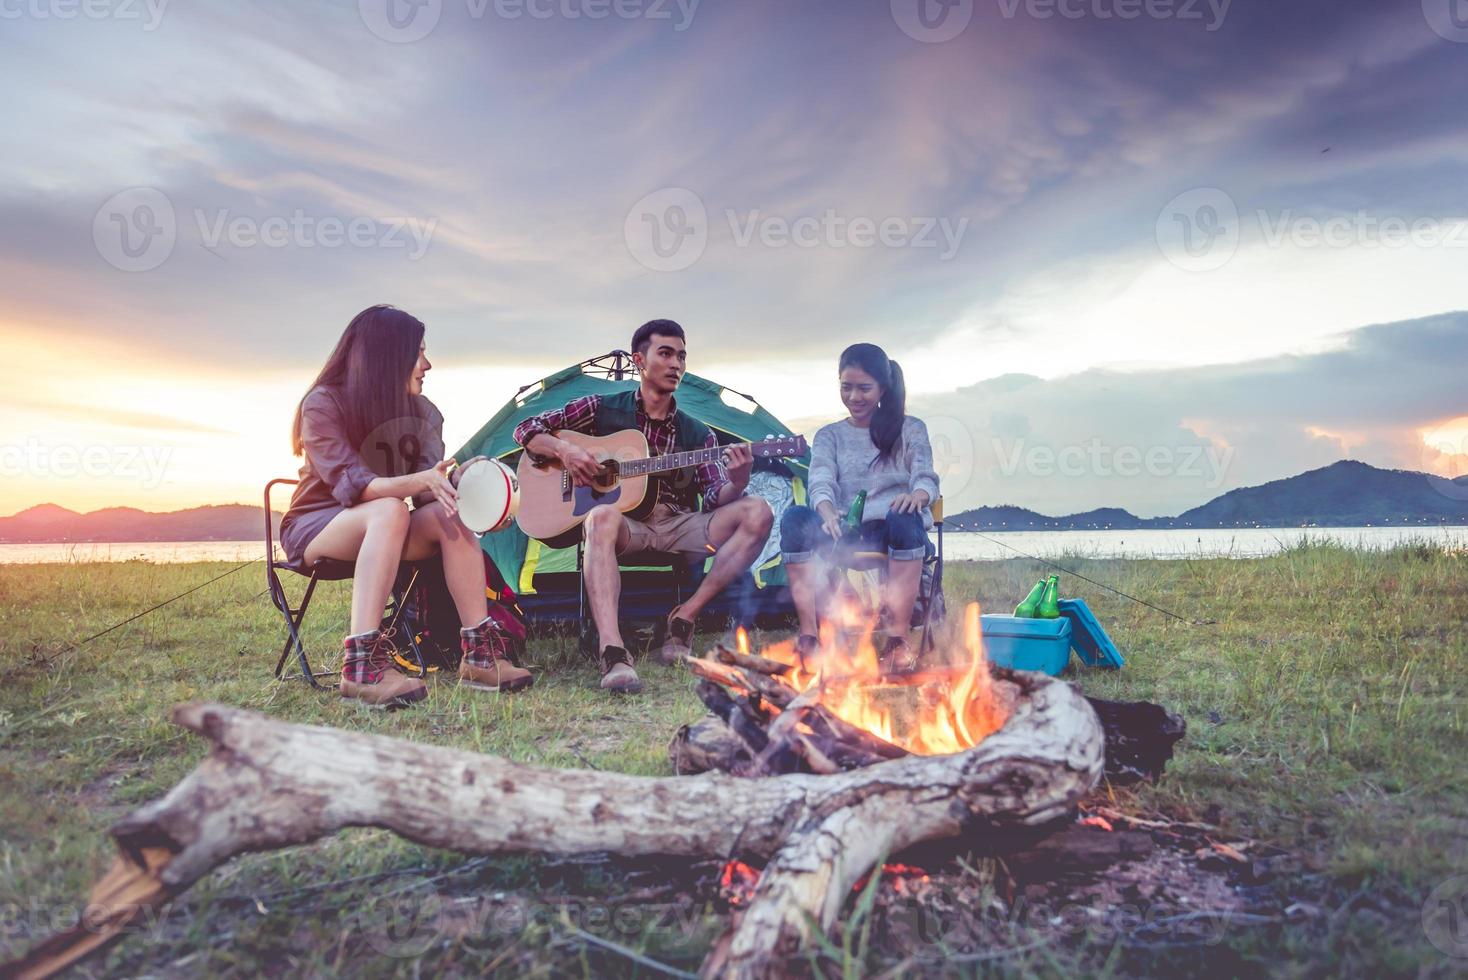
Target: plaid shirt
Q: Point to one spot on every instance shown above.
(579, 415)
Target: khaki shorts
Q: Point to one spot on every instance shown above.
(667, 530)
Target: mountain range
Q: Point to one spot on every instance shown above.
(50, 523)
(1348, 493)
(1344, 494)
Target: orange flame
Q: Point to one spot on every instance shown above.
(945, 709)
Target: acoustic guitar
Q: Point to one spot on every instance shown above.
(552, 507)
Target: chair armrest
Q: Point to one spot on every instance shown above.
(269, 529)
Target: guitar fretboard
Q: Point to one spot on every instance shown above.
(672, 461)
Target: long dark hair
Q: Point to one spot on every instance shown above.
(370, 369)
(886, 428)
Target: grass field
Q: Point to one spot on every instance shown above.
(1327, 716)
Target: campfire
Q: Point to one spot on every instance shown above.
(837, 708)
(931, 713)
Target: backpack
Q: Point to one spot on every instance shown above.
(430, 617)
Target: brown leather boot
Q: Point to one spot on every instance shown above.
(617, 674)
(368, 676)
(678, 642)
(486, 665)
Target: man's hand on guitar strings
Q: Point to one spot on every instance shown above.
(582, 466)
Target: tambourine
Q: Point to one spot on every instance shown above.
(489, 496)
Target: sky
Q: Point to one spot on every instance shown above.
(1130, 253)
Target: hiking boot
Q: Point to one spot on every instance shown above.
(368, 677)
(899, 657)
(679, 640)
(487, 665)
(617, 674)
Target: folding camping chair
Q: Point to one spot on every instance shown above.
(930, 589)
(326, 570)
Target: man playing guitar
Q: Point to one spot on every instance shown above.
(730, 524)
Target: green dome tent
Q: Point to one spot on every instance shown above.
(546, 579)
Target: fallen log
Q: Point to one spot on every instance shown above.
(268, 784)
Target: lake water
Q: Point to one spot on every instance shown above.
(1251, 542)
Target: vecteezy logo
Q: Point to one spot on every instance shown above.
(405, 922)
(1445, 916)
(400, 21)
(952, 443)
(1199, 229)
(932, 21)
(1447, 18)
(667, 230)
(135, 230)
(1445, 458)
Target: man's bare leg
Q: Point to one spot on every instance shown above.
(606, 533)
(739, 532)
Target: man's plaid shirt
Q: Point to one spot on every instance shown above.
(675, 489)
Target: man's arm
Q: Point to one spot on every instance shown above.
(725, 479)
(578, 415)
(536, 434)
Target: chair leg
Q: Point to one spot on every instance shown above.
(293, 620)
(584, 640)
(934, 591)
(399, 602)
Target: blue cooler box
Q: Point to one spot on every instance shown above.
(1027, 644)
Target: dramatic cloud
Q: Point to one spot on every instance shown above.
(1159, 442)
(1056, 189)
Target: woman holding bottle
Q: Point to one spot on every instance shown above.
(879, 459)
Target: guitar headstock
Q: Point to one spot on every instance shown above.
(779, 447)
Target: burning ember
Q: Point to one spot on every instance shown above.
(738, 880)
(736, 883)
(939, 711)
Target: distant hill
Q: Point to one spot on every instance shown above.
(1344, 494)
(50, 523)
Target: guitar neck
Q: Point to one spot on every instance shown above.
(673, 461)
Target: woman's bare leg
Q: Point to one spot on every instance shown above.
(903, 579)
(431, 530)
(803, 577)
(372, 535)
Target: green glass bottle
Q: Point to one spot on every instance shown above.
(853, 516)
(1031, 604)
(1050, 602)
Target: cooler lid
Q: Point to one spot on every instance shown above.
(998, 624)
(1090, 641)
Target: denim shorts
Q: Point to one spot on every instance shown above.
(902, 536)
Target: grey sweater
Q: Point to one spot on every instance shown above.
(843, 463)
